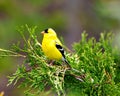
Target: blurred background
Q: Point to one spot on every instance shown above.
(69, 18)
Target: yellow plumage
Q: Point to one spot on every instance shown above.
(52, 47)
(49, 42)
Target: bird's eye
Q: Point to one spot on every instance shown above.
(46, 30)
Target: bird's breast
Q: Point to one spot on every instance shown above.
(50, 50)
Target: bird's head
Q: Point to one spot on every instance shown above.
(49, 32)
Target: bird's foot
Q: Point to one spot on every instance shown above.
(51, 63)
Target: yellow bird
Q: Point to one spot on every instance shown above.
(52, 47)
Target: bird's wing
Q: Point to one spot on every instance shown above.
(60, 48)
(58, 45)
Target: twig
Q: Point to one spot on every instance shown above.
(13, 54)
(17, 55)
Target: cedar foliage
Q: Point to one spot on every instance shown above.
(97, 63)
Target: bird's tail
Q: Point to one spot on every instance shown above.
(68, 64)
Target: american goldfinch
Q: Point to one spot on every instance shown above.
(52, 47)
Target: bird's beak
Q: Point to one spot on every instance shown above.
(42, 32)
